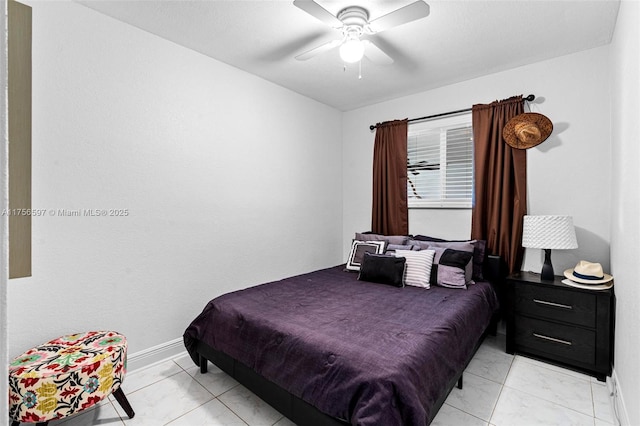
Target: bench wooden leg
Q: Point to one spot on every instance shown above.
(15, 423)
(124, 403)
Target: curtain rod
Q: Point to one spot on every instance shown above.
(372, 127)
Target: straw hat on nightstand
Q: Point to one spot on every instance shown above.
(588, 275)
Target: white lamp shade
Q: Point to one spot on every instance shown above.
(549, 232)
(352, 50)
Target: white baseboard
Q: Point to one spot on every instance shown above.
(617, 401)
(161, 352)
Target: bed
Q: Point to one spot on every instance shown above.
(325, 348)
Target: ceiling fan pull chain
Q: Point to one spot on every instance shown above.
(360, 69)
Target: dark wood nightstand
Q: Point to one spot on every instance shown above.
(564, 325)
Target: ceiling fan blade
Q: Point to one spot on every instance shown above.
(411, 12)
(318, 12)
(375, 54)
(318, 50)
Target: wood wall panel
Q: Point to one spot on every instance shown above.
(19, 57)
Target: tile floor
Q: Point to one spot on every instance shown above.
(499, 389)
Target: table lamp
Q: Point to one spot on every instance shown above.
(548, 232)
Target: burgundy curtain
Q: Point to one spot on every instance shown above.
(500, 182)
(390, 215)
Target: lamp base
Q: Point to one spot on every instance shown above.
(547, 269)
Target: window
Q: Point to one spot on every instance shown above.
(440, 163)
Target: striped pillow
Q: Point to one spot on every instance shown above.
(418, 267)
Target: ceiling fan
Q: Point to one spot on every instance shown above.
(353, 23)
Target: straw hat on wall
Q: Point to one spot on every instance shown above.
(527, 130)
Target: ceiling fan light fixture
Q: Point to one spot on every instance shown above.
(352, 50)
(353, 22)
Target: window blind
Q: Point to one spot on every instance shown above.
(440, 166)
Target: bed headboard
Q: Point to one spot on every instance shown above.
(495, 271)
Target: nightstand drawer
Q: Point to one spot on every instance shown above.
(557, 304)
(556, 340)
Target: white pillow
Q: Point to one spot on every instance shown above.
(359, 248)
(418, 267)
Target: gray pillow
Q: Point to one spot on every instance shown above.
(391, 248)
(479, 252)
(391, 239)
(451, 268)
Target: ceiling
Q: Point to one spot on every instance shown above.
(458, 41)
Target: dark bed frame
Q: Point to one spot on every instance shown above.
(300, 411)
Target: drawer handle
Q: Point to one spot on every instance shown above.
(553, 339)
(557, 305)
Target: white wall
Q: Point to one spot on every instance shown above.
(625, 206)
(567, 174)
(229, 181)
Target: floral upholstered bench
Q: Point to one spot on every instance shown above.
(67, 375)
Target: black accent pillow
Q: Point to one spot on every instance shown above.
(382, 269)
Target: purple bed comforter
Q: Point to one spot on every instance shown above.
(367, 353)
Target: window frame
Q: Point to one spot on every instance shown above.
(439, 124)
